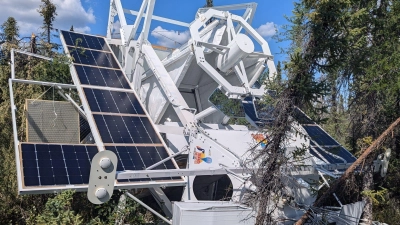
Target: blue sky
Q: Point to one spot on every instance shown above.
(90, 16)
(268, 11)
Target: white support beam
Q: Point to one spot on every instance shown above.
(44, 83)
(111, 15)
(138, 19)
(139, 174)
(166, 159)
(158, 18)
(251, 5)
(12, 64)
(147, 19)
(34, 55)
(210, 110)
(148, 208)
(168, 86)
(162, 200)
(170, 129)
(15, 134)
(120, 11)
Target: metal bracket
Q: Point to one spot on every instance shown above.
(102, 177)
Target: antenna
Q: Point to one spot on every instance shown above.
(159, 119)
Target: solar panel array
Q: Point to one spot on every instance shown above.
(119, 119)
(323, 146)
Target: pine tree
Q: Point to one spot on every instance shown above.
(48, 11)
(10, 30)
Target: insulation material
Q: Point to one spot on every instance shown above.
(52, 122)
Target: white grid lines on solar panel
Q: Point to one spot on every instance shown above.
(60, 164)
(126, 129)
(85, 41)
(108, 101)
(118, 117)
(104, 77)
(56, 164)
(93, 58)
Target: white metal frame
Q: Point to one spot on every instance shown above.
(199, 47)
(170, 91)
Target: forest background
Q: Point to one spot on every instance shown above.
(343, 70)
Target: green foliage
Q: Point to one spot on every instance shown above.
(58, 211)
(40, 209)
(10, 29)
(353, 46)
(48, 11)
(377, 196)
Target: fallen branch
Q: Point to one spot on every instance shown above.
(375, 145)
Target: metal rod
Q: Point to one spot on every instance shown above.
(148, 207)
(69, 99)
(139, 174)
(327, 184)
(12, 64)
(337, 199)
(166, 159)
(44, 83)
(34, 55)
(15, 132)
(159, 18)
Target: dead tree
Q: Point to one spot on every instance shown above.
(375, 145)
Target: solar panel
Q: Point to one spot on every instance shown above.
(250, 109)
(101, 77)
(113, 101)
(318, 135)
(93, 57)
(139, 158)
(55, 164)
(331, 158)
(118, 118)
(85, 41)
(126, 129)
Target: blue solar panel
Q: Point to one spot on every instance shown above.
(126, 129)
(139, 158)
(101, 77)
(93, 58)
(322, 155)
(85, 41)
(250, 109)
(337, 151)
(318, 135)
(113, 101)
(301, 117)
(54, 164)
(117, 114)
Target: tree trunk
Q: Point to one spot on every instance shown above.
(375, 145)
(368, 181)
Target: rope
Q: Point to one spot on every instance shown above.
(54, 110)
(43, 94)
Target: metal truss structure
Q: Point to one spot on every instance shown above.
(174, 87)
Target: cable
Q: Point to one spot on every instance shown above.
(54, 110)
(167, 37)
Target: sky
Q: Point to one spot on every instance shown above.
(91, 16)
